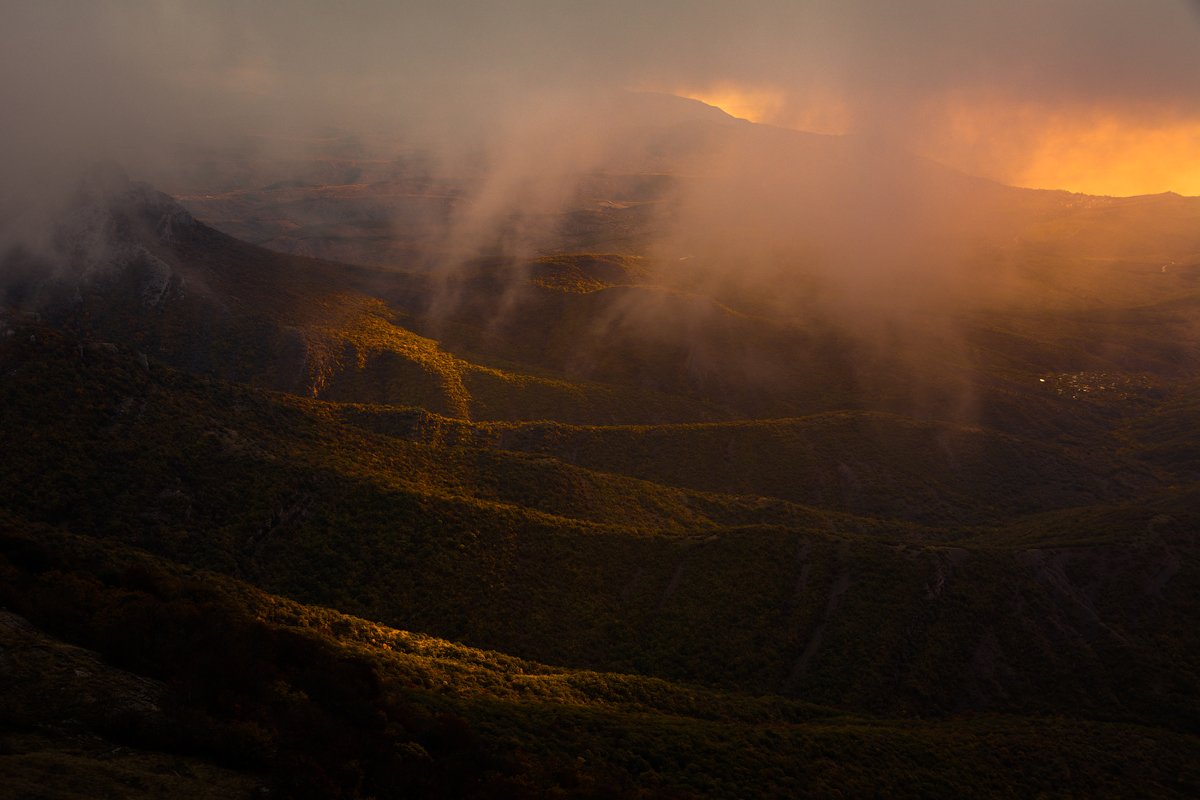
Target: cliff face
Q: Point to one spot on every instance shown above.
(106, 234)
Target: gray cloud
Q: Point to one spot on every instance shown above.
(482, 82)
(120, 69)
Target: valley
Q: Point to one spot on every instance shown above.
(324, 503)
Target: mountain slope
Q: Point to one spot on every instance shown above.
(623, 515)
(427, 717)
(565, 565)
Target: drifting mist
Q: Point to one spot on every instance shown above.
(468, 134)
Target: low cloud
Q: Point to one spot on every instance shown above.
(514, 104)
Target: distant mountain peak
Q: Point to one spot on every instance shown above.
(106, 226)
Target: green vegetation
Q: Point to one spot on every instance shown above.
(444, 531)
(253, 688)
(588, 534)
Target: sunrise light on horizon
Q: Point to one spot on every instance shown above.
(1095, 152)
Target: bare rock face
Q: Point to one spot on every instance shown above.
(54, 683)
(107, 231)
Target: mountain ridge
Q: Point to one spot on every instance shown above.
(594, 523)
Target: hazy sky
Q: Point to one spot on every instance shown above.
(1092, 95)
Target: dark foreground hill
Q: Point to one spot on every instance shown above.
(187, 684)
(1079, 615)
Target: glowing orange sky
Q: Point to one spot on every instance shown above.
(1094, 152)
(1118, 157)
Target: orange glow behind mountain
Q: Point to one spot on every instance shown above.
(820, 112)
(1093, 153)
(1116, 157)
(756, 105)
